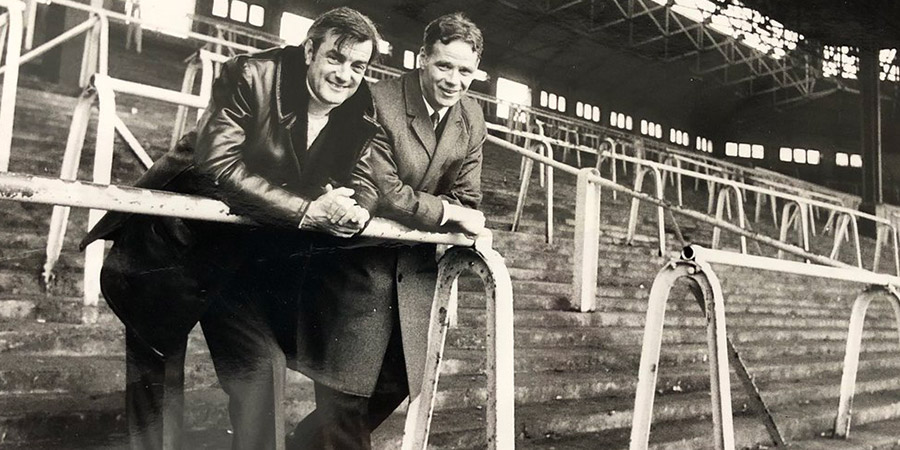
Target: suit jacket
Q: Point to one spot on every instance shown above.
(250, 151)
(352, 300)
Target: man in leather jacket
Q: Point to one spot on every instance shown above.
(278, 142)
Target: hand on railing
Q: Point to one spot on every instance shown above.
(335, 213)
(470, 221)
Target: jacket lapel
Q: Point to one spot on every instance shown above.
(292, 100)
(454, 138)
(418, 115)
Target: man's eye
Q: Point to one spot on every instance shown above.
(466, 72)
(333, 59)
(359, 68)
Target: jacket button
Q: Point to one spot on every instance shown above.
(399, 277)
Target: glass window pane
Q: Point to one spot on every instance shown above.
(744, 150)
(596, 110)
(220, 8)
(800, 156)
(544, 98)
(238, 11)
(785, 154)
(551, 103)
(257, 15)
(731, 149)
(643, 126)
(293, 28)
(841, 159)
(561, 105)
(671, 135)
(620, 120)
(579, 109)
(686, 140)
(612, 118)
(409, 59)
(658, 131)
(759, 152)
(813, 157)
(628, 123)
(855, 161)
(385, 47)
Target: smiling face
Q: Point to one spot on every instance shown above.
(334, 73)
(447, 72)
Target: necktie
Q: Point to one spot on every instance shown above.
(435, 120)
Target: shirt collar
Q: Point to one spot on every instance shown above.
(441, 112)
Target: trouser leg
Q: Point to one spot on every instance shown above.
(154, 395)
(251, 368)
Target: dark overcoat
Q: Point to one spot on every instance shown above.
(250, 151)
(352, 300)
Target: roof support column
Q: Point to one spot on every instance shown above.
(871, 132)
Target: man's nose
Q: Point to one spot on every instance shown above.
(344, 73)
(454, 78)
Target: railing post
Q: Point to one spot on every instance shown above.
(10, 81)
(587, 240)
(59, 219)
(103, 157)
(489, 266)
(720, 385)
(851, 354)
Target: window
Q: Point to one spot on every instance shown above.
(731, 149)
(618, 120)
(509, 91)
(238, 11)
(743, 150)
(855, 161)
(785, 154)
(385, 47)
(813, 157)
(553, 101)
(257, 15)
(843, 62)
(799, 155)
(658, 131)
(758, 151)
(679, 137)
(704, 144)
(842, 159)
(481, 75)
(172, 16)
(628, 123)
(587, 111)
(220, 8)
(643, 126)
(579, 109)
(293, 28)
(409, 60)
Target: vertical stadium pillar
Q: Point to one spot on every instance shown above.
(869, 68)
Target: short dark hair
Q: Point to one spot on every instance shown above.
(350, 26)
(453, 27)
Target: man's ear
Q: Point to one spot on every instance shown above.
(421, 57)
(308, 51)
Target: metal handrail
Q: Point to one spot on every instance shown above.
(802, 202)
(469, 254)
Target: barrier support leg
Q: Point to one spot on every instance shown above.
(60, 217)
(488, 265)
(523, 191)
(720, 384)
(587, 241)
(851, 354)
(103, 156)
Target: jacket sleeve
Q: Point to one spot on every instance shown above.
(395, 200)
(219, 156)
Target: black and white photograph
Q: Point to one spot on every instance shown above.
(453, 224)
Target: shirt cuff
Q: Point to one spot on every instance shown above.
(444, 214)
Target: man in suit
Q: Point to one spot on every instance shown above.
(364, 312)
(281, 135)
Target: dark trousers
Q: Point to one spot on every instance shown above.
(250, 366)
(343, 421)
